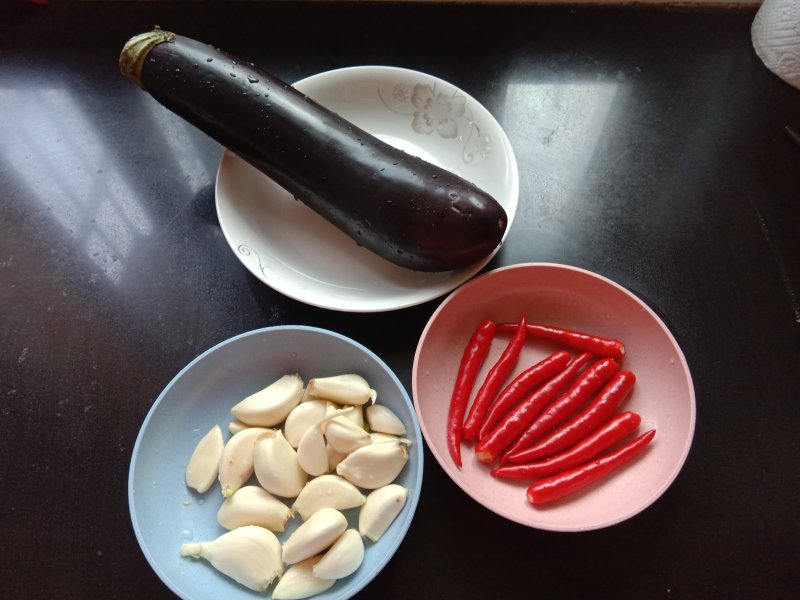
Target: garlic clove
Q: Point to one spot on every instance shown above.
(334, 457)
(250, 555)
(314, 535)
(276, 466)
(311, 453)
(236, 426)
(342, 389)
(327, 491)
(380, 438)
(299, 581)
(253, 505)
(344, 435)
(203, 467)
(270, 406)
(381, 419)
(375, 465)
(356, 416)
(303, 416)
(236, 464)
(380, 510)
(343, 558)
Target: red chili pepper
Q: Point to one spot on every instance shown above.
(570, 481)
(601, 440)
(471, 361)
(515, 422)
(585, 342)
(586, 386)
(493, 381)
(585, 422)
(523, 384)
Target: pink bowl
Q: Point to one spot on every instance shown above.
(576, 299)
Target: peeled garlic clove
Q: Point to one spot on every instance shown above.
(276, 466)
(342, 389)
(314, 535)
(334, 457)
(327, 491)
(271, 405)
(356, 416)
(203, 467)
(236, 426)
(299, 581)
(236, 464)
(253, 505)
(302, 417)
(344, 435)
(343, 558)
(375, 465)
(378, 438)
(250, 555)
(311, 453)
(380, 510)
(381, 419)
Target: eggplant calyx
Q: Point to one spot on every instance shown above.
(131, 59)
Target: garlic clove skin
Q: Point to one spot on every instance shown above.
(343, 558)
(253, 505)
(327, 491)
(303, 416)
(276, 466)
(236, 464)
(203, 467)
(348, 389)
(375, 465)
(270, 406)
(312, 455)
(316, 534)
(344, 435)
(381, 419)
(380, 510)
(299, 581)
(249, 555)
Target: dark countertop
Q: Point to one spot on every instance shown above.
(682, 186)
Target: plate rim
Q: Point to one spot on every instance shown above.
(681, 358)
(458, 276)
(413, 499)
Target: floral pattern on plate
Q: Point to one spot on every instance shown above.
(447, 114)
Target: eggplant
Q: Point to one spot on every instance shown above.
(401, 207)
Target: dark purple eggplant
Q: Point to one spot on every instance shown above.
(403, 208)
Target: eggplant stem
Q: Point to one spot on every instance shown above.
(131, 59)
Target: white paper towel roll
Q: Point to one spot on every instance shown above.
(776, 38)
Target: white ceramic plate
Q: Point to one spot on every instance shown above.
(165, 513)
(296, 252)
(574, 299)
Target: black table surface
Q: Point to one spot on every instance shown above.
(683, 186)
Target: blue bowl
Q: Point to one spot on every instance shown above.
(166, 513)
